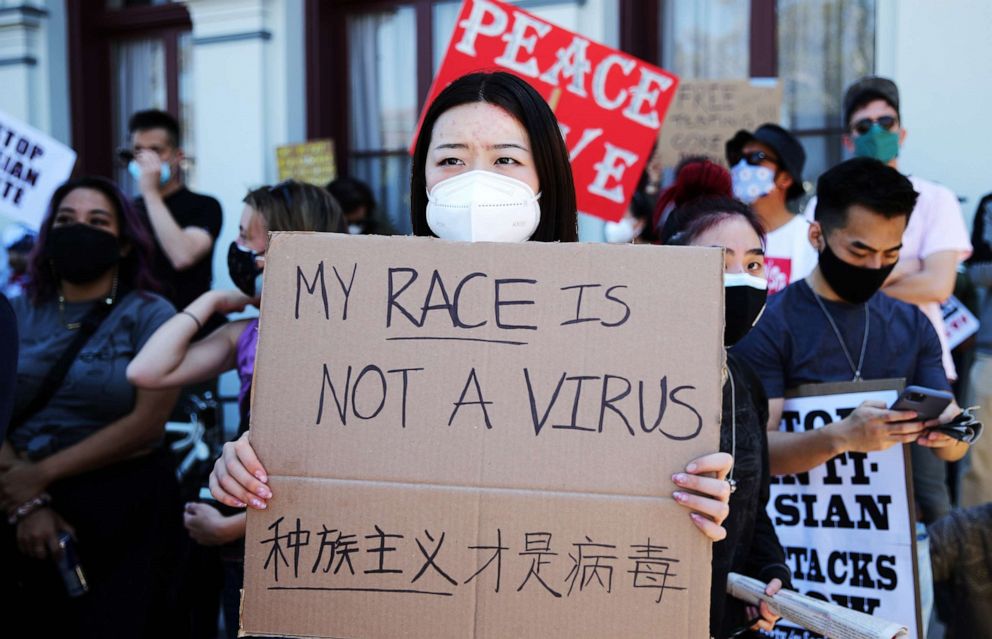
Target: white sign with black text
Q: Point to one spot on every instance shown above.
(847, 526)
(959, 322)
(32, 166)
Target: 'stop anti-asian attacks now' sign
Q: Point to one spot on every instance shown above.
(610, 105)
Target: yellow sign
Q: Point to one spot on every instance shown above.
(311, 162)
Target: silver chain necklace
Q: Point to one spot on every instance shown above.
(840, 338)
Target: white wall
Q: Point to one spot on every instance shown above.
(249, 92)
(34, 83)
(940, 55)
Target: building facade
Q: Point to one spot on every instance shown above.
(245, 76)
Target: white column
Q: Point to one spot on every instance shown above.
(20, 57)
(230, 114)
(944, 89)
(247, 88)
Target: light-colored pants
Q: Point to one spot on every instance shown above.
(924, 574)
(976, 483)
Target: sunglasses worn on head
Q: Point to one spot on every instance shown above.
(754, 158)
(282, 191)
(864, 125)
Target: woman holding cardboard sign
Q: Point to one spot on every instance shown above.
(490, 165)
(713, 218)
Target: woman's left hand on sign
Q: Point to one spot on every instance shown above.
(20, 484)
(238, 478)
(704, 490)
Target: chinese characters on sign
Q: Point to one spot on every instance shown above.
(331, 555)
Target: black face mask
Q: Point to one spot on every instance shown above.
(81, 253)
(244, 271)
(743, 305)
(854, 284)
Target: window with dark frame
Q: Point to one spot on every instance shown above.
(109, 41)
(384, 58)
(782, 39)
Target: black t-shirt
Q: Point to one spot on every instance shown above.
(751, 547)
(793, 342)
(189, 210)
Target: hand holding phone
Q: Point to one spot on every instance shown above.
(927, 403)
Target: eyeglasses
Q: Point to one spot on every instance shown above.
(282, 191)
(864, 125)
(755, 158)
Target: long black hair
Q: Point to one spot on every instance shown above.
(519, 99)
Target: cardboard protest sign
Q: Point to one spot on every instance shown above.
(610, 105)
(477, 440)
(32, 166)
(311, 162)
(959, 322)
(848, 526)
(707, 113)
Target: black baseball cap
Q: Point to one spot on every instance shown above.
(867, 89)
(790, 152)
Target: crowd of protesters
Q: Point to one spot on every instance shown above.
(111, 319)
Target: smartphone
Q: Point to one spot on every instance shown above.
(927, 403)
(124, 156)
(70, 568)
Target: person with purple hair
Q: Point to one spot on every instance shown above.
(83, 462)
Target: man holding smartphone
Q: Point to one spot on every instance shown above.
(836, 326)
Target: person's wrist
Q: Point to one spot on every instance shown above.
(19, 513)
(149, 189)
(48, 471)
(838, 436)
(231, 529)
(205, 305)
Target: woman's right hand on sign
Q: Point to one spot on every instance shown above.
(709, 499)
(238, 478)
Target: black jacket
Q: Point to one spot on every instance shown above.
(751, 547)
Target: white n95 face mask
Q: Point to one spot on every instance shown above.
(482, 206)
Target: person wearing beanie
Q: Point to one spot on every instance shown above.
(695, 176)
(766, 166)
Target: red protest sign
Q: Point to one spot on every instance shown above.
(610, 105)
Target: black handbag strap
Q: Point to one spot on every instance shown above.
(53, 379)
